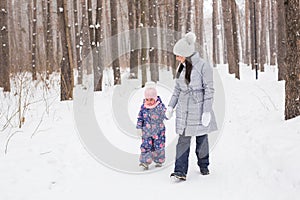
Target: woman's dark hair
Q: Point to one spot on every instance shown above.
(188, 70)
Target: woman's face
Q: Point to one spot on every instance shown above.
(181, 59)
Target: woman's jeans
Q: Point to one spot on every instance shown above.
(183, 151)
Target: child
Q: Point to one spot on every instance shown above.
(151, 128)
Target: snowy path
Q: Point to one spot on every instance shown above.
(255, 158)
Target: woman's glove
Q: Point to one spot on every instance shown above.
(206, 118)
(139, 132)
(169, 112)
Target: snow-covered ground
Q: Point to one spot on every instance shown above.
(255, 157)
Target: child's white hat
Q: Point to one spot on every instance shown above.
(150, 90)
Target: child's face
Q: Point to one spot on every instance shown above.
(149, 101)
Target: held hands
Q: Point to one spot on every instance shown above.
(206, 118)
(169, 112)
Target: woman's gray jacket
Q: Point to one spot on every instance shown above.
(193, 99)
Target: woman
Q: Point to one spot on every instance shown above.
(193, 99)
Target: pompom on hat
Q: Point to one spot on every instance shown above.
(150, 84)
(185, 46)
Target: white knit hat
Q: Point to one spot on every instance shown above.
(185, 46)
(150, 90)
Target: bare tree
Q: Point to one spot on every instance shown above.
(189, 16)
(235, 40)
(66, 64)
(49, 41)
(90, 23)
(77, 42)
(281, 41)
(241, 33)
(144, 36)
(176, 29)
(85, 40)
(199, 29)
(4, 47)
(247, 59)
(98, 71)
(215, 25)
(34, 41)
(131, 24)
(263, 45)
(171, 13)
(227, 17)
(153, 40)
(292, 87)
(254, 40)
(272, 11)
(114, 46)
(135, 60)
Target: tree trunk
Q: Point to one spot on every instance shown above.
(169, 39)
(263, 45)
(153, 52)
(235, 40)
(131, 25)
(281, 41)
(272, 31)
(189, 16)
(226, 6)
(49, 42)
(292, 87)
(247, 33)
(241, 34)
(4, 48)
(98, 71)
(254, 28)
(12, 36)
(215, 25)
(199, 30)
(91, 24)
(66, 78)
(85, 40)
(77, 42)
(34, 41)
(134, 57)
(115, 45)
(176, 30)
(21, 56)
(144, 60)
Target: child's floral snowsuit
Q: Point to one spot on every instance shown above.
(153, 133)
